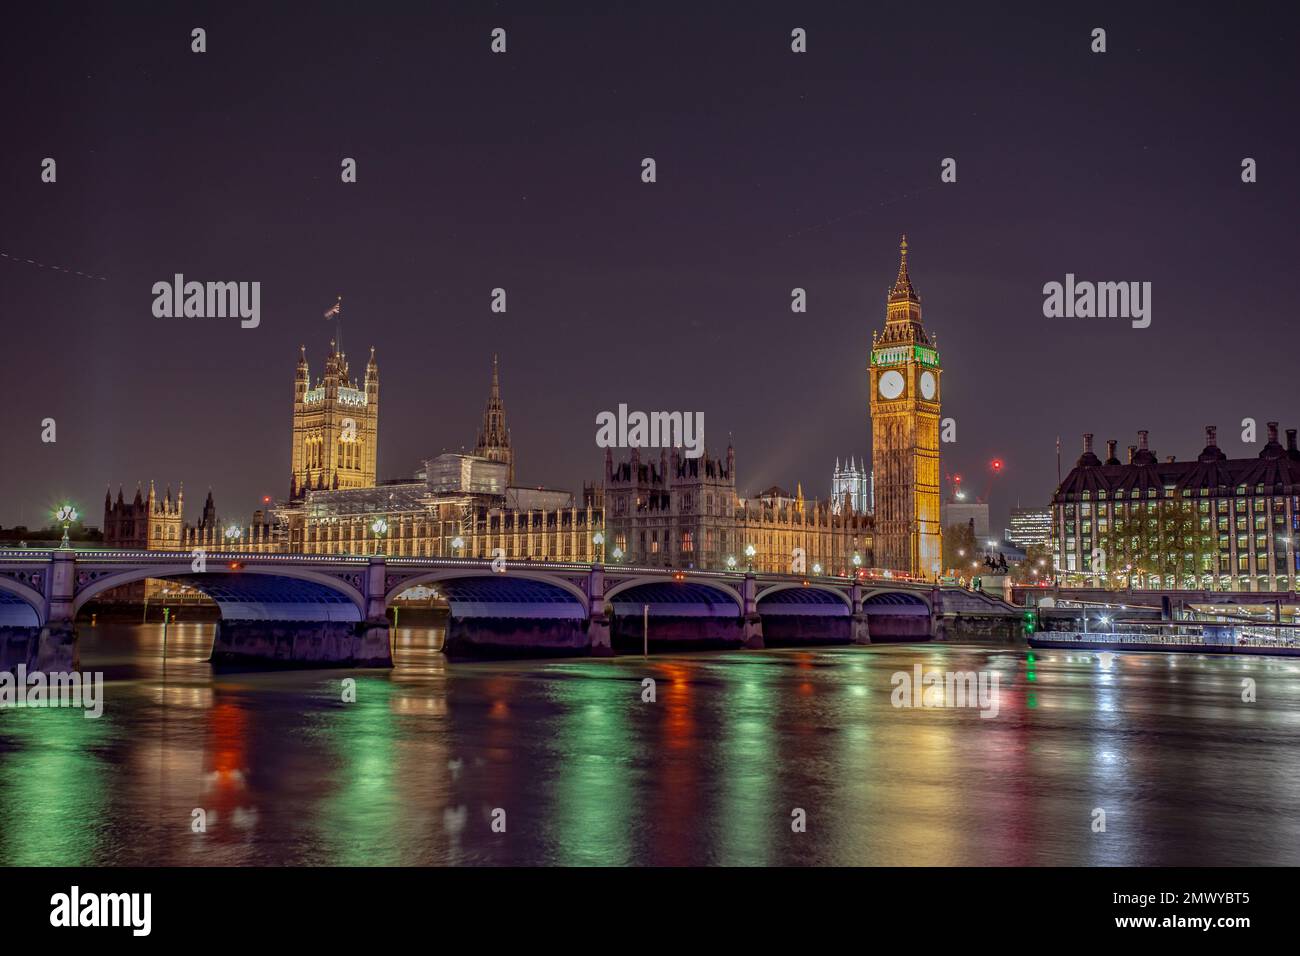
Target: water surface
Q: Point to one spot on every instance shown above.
(710, 773)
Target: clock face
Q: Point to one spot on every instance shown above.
(891, 384)
(927, 385)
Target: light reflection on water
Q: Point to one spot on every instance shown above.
(709, 773)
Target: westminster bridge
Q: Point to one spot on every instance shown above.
(325, 610)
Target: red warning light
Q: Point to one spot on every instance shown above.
(996, 464)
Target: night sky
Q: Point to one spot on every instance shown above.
(522, 170)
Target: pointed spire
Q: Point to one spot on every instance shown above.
(494, 436)
(903, 284)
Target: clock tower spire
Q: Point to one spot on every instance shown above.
(904, 372)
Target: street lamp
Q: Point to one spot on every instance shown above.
(458, 543)
(749, 554)
(731, 562)
(598, 539)
(233, 534)
(617, 553)
(67, 514)
(817, 569)
(380, 528)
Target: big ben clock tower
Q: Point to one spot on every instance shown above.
(905, 435)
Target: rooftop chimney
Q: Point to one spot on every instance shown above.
(1142, 440)
(1290, 439)
(1211, 450)
(1131, 450)
(1110, 452)
(1272, 449)
(1088, 459)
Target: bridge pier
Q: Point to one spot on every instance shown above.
(56, 644)
(753, 624)
(597, 619)
(302, 643)
(859, 628)
(48, 649)
(61, 587)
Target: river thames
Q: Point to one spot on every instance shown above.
(581, 770)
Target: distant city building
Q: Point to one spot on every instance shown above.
(855, 481)
(335, 426)
(1030, 527)
(1211, 524)
(684, 513)
(954, 511)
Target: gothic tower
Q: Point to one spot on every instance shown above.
(905, 399)
(335, 426)
(493, 436)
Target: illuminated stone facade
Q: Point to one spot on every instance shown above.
(335, 427)
(684, 513)
(149, 523)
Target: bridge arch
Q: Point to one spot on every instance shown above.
(474, 593)
(722, 590)
(810, 595)
(895, 601)
(20, 604)
(247, 593)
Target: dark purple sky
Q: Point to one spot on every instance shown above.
(523, 171)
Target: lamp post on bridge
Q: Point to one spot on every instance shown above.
(67, 514)
(749, 556)
(598, 539)
(458, 545)
(380, 528)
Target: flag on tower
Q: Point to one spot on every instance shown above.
(335, 309)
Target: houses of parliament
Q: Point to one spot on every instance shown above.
(665, 510)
